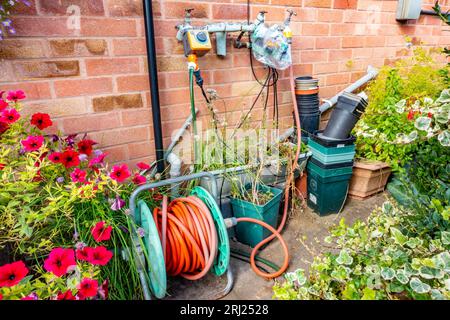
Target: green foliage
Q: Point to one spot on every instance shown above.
(413, 79)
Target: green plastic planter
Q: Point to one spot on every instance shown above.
(327, 188)
(250, 233)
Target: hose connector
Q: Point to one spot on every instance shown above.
(230, 222)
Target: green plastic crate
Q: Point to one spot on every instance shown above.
(251, 233)
(330, 150)
(328, 173)
(333, 158)
(327, 191)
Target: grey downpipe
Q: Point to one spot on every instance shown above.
(154, 90)
(371, 73)
(132, 206)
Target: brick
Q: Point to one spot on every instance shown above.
(374, 41)
(133, 83)
(33, 90)
(340, 78)
(337, 55)
(71, 88)
(324, 68)
(168, 63)
(315, 29)
(21, 49)
(313, 56)
(355, 16)
(87, 8)
(337, 29)
(330, 15)
(46, 69)
(42, 26)
(176, 9)
(78, 47)
(91, 123)
(121, 136)
(328, 43)
(129, 47)
(107, 66)
(116, 153)
(139, 149)
(229, 12)
(303, 42)
(108, 27)
(58, 108)
(305, 68)
(352, 42)
(362, 52)
(125, 8)
(345, 4)
(292, 3)
(108, 103)
(131, 118)
(172, 46)
(318, 3)
(239, 74)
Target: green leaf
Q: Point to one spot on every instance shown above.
(422, 123)
(344, 258)
(419, 286)
(445, 96)
(444, 138)
(431, 273)
(368, 294)
(445, 237)
(402, 276)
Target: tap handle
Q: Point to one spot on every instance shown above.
(291, 13)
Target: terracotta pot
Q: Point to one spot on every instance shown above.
(369, 177)
(301, 185)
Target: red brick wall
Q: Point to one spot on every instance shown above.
(94, 79)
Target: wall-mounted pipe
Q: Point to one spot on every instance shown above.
(371, 73)
(154, 90)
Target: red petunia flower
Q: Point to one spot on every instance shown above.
(430, 115)
(3, 105)
(88, 288)
(83, 254)
(9, 116)
(85, 146)
(99, 256)
(138, 179)
(100, 232)
(55, 157)
(32, 143)
(70, 158)
(59, 261)
(11, 274)
(143, 166)
(120, 173)
(78, 175)
(68, 295)
(1, 296)
(16, 95)
(31, 296)
(41, 120)
(2, 166)
(97, 160)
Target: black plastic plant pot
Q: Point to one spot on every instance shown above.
(309, 123)
(325, 141)
(340, 125)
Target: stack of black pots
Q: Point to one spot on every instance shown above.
(346, 114)
(307, 94)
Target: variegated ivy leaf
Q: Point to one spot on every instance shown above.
(447, 284)
(437, 295)
(431, 273)
(441, 117)
(444, 138)
(445, 96)
(402, 276)
(399, 237)
(445, 237)
(419, 286)
(344, 258)
(387, 273)
(416, 105)
(387, 207)
(376, 234)
(422, 123)
(296, 276)
(400, 106)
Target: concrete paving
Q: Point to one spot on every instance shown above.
(304, 235)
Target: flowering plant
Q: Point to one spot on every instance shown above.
(57, 189)
(5, 11)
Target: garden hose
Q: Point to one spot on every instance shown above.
(237, 252)
(193, 113)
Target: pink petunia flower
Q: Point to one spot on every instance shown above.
(59, 261)
(16, 95)
(88, 288)
(78, 175)
(101, 232)
(32, 143)
(99, 256)
(120, 173)
(143, 166)
(139, 179)
(98, 159)
(3, 105)
(9, 116)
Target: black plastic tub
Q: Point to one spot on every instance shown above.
(309, 123)
(318, 137)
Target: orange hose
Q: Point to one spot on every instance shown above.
(188, 237)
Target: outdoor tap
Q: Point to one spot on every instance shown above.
(186, 25)
(291, 12)
(261, 18)
(187, 16)
(287, 32)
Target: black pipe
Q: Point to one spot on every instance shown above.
(153, 77)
